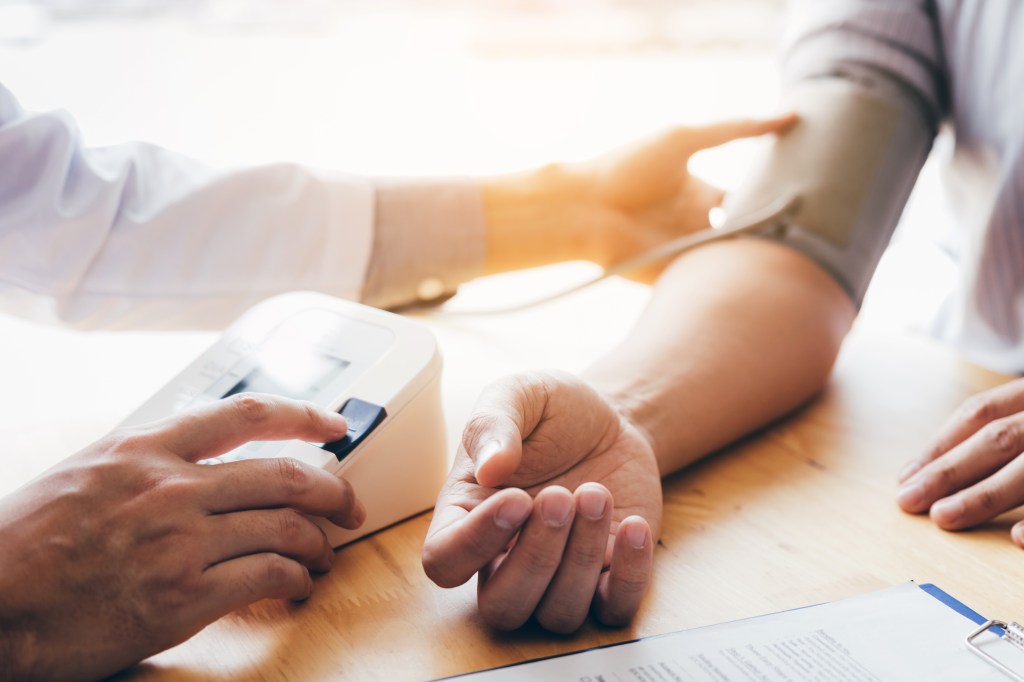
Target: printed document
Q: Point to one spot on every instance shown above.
(908, 632)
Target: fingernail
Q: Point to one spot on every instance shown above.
(511, 513)
(636, 533)
(337, 422)
(948, 510)
(556, 510)
(489, 449)
(593, 503)
(360, 513)
(309, 588)
(909, 471)
(910, 495)
(1018, 535)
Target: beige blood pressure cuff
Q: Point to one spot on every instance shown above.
(852, 160)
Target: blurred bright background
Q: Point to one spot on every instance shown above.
(390, 86)
(396, 87)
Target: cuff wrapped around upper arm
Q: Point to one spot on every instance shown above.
(867, 78)
(852, 160)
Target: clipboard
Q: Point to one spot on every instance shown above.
(891, 634)
(1012, 633)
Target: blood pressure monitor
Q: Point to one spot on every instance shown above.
(381, 371)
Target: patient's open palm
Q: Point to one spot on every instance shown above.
(555, 499)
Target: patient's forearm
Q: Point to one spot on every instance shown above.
(737, 334)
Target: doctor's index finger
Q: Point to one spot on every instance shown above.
(222, 425)
(715, 134)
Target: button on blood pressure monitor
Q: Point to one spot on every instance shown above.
(379, 370)
(362, 418)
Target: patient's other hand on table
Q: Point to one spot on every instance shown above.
(128, 547)
(974, 470)
(555, 500)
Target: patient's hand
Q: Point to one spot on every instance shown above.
(555, 500)
(128, 547)
(612, 208)
(974, 470)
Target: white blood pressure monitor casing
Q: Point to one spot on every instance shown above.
(382, 371)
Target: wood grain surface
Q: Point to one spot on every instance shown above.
(800, 513)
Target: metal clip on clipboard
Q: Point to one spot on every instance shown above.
(1011, 632)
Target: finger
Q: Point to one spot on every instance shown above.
(463, 542)
(567, 601)
(495, 445)
(726, 131)
(665, 155)
(985, 500)
(215, 428)
(505, 413)
(281, 531)
(1017, 533)
(282, 482)
(508, 596)
(968, 419)
(974, 459)
(231, 585)
(621, 589)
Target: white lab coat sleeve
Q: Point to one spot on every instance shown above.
(430, 236)
(133, 236)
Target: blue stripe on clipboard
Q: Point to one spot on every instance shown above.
(958, 606)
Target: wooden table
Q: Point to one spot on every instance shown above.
(799, 514)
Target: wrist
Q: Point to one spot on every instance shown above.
(631, 410)
(429, 238)
(534, 218)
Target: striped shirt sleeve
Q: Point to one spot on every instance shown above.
(897, 38)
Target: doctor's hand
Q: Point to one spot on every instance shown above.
(612, 208)
(554, 500)
(128, 547)
(974, 470)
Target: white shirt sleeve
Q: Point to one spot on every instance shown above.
(135, 236)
